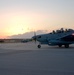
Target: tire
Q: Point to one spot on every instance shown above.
(66, 46)
(60, 45)
(39, 46)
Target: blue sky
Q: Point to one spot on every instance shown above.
(29, 15)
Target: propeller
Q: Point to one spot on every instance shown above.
(34, 37)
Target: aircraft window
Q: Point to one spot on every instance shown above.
(39, 36)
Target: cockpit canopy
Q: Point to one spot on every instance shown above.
(61, 31)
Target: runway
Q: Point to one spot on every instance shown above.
(27, 59)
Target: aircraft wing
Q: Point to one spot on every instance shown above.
(69, 37)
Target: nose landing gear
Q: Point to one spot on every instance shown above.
(39, 46)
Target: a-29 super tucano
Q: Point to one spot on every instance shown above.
(59, 37)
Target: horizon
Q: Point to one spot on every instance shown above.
(22, 16)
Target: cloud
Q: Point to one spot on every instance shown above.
(28, 34)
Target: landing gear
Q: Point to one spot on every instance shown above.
(60, 45)
(67, 46)
(39, 46)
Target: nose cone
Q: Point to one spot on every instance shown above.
(34, 37)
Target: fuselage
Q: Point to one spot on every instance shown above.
(57, 38)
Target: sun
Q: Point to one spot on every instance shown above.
(17, 25)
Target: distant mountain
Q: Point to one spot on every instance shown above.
(28, 34)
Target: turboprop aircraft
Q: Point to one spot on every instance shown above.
(59, 37)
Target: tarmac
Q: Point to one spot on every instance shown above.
(27, 59)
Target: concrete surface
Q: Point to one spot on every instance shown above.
(27, 59)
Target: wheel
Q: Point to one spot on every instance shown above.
(39, 46)
(60, 45)
(66, 46)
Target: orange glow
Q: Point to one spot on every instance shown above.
(21, 23)
(3, 36)
(13, 23)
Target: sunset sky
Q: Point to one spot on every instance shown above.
(21, 16)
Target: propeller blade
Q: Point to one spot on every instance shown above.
(35, 37)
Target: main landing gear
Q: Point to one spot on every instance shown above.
(66, 45)
(60, 45)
